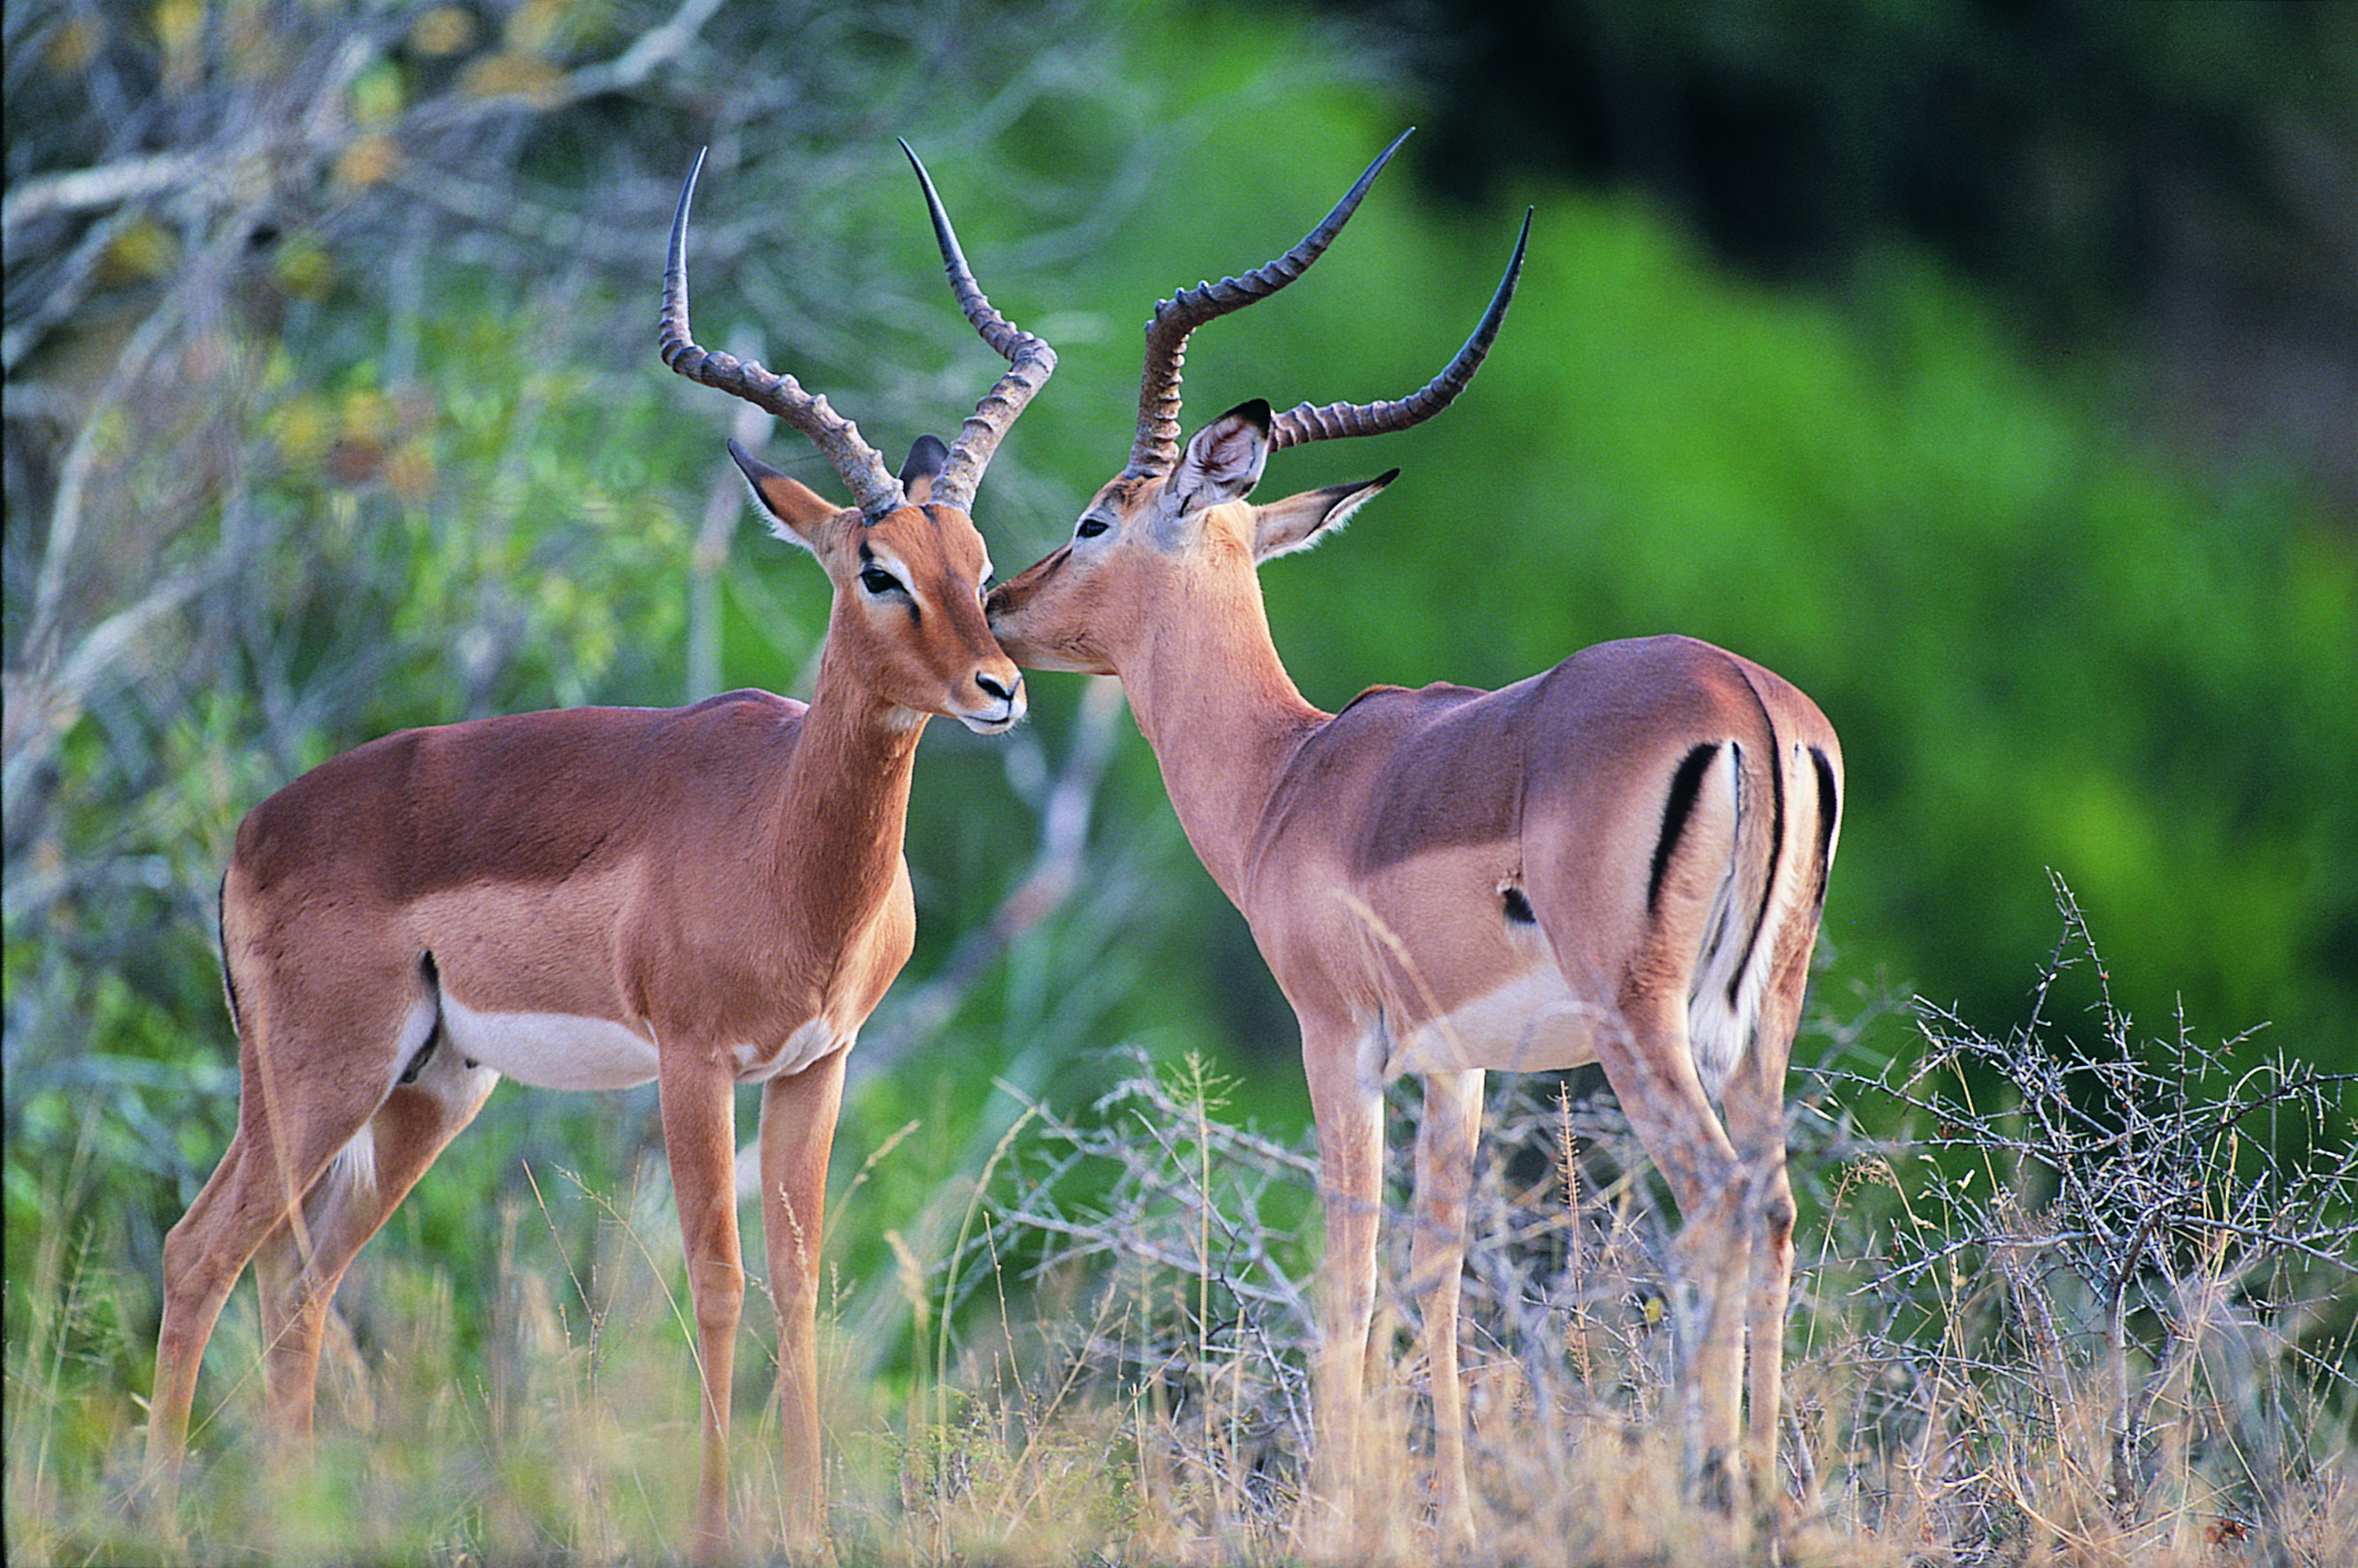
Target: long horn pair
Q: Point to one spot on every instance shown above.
(874, 488)
(1156, 448)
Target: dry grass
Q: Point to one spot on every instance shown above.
(2094, 1308)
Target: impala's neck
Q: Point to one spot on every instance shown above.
(1224, 719)
(847, 789)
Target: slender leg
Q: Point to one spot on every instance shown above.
(1755, 1099)
(250, 1196)
(299, 1269)
(698, 1098)
(203, 1256)
(1445, 1171)
(798, 1117)
(1349, 1114)
(1654, 1076)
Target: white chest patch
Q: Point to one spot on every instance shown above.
(1533, 1023)
(550, 1050)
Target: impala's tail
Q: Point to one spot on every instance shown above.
(1787, 798)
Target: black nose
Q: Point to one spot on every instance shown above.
(993, 688)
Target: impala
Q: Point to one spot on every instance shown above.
(704, 896)
(1621, 860)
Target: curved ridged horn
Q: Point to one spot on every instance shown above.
(1156, 449)
(1030, 362)
(863, 468)
(1302, 424)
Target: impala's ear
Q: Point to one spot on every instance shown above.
(926, 462)
(796, 509)
(1301, 521)
(1224, 461)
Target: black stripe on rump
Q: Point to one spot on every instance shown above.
(1685, 785)
(1829, 813)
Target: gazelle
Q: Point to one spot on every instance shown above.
(1621, 860)
(705, 897)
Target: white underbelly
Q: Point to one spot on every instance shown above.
(550, 1050)
(1533, 1023)
(566, 1051)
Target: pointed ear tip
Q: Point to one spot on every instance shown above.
(1384, 478)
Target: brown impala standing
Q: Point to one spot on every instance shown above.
(704, 896)
(1620, 861)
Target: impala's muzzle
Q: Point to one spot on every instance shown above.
(1003, 703)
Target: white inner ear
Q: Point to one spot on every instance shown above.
(1222, 463)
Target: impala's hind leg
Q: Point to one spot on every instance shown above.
(301, 1265)
(304, 1096)
(1653, 1076)
(1755, 1102)
(252, 1194)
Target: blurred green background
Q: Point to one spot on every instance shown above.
(1988, 369)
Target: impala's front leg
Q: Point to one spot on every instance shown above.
(699, 1136)
(1348, 1107)
(1445, 1171)
(798, 1117)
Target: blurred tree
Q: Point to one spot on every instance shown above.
(2183, 173)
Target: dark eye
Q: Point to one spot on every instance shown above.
(879, 581)
(1090, 527)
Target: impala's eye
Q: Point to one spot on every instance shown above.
(879, 581)
(1090, 527)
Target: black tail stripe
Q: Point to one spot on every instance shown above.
(229, 979)
(1829, 813)
(1685, 785)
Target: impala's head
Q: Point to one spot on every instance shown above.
(908, 592)
(1147, 546)
(907, 563)
(1174, 533)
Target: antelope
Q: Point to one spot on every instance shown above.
(1622, 859)
(590, 899)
